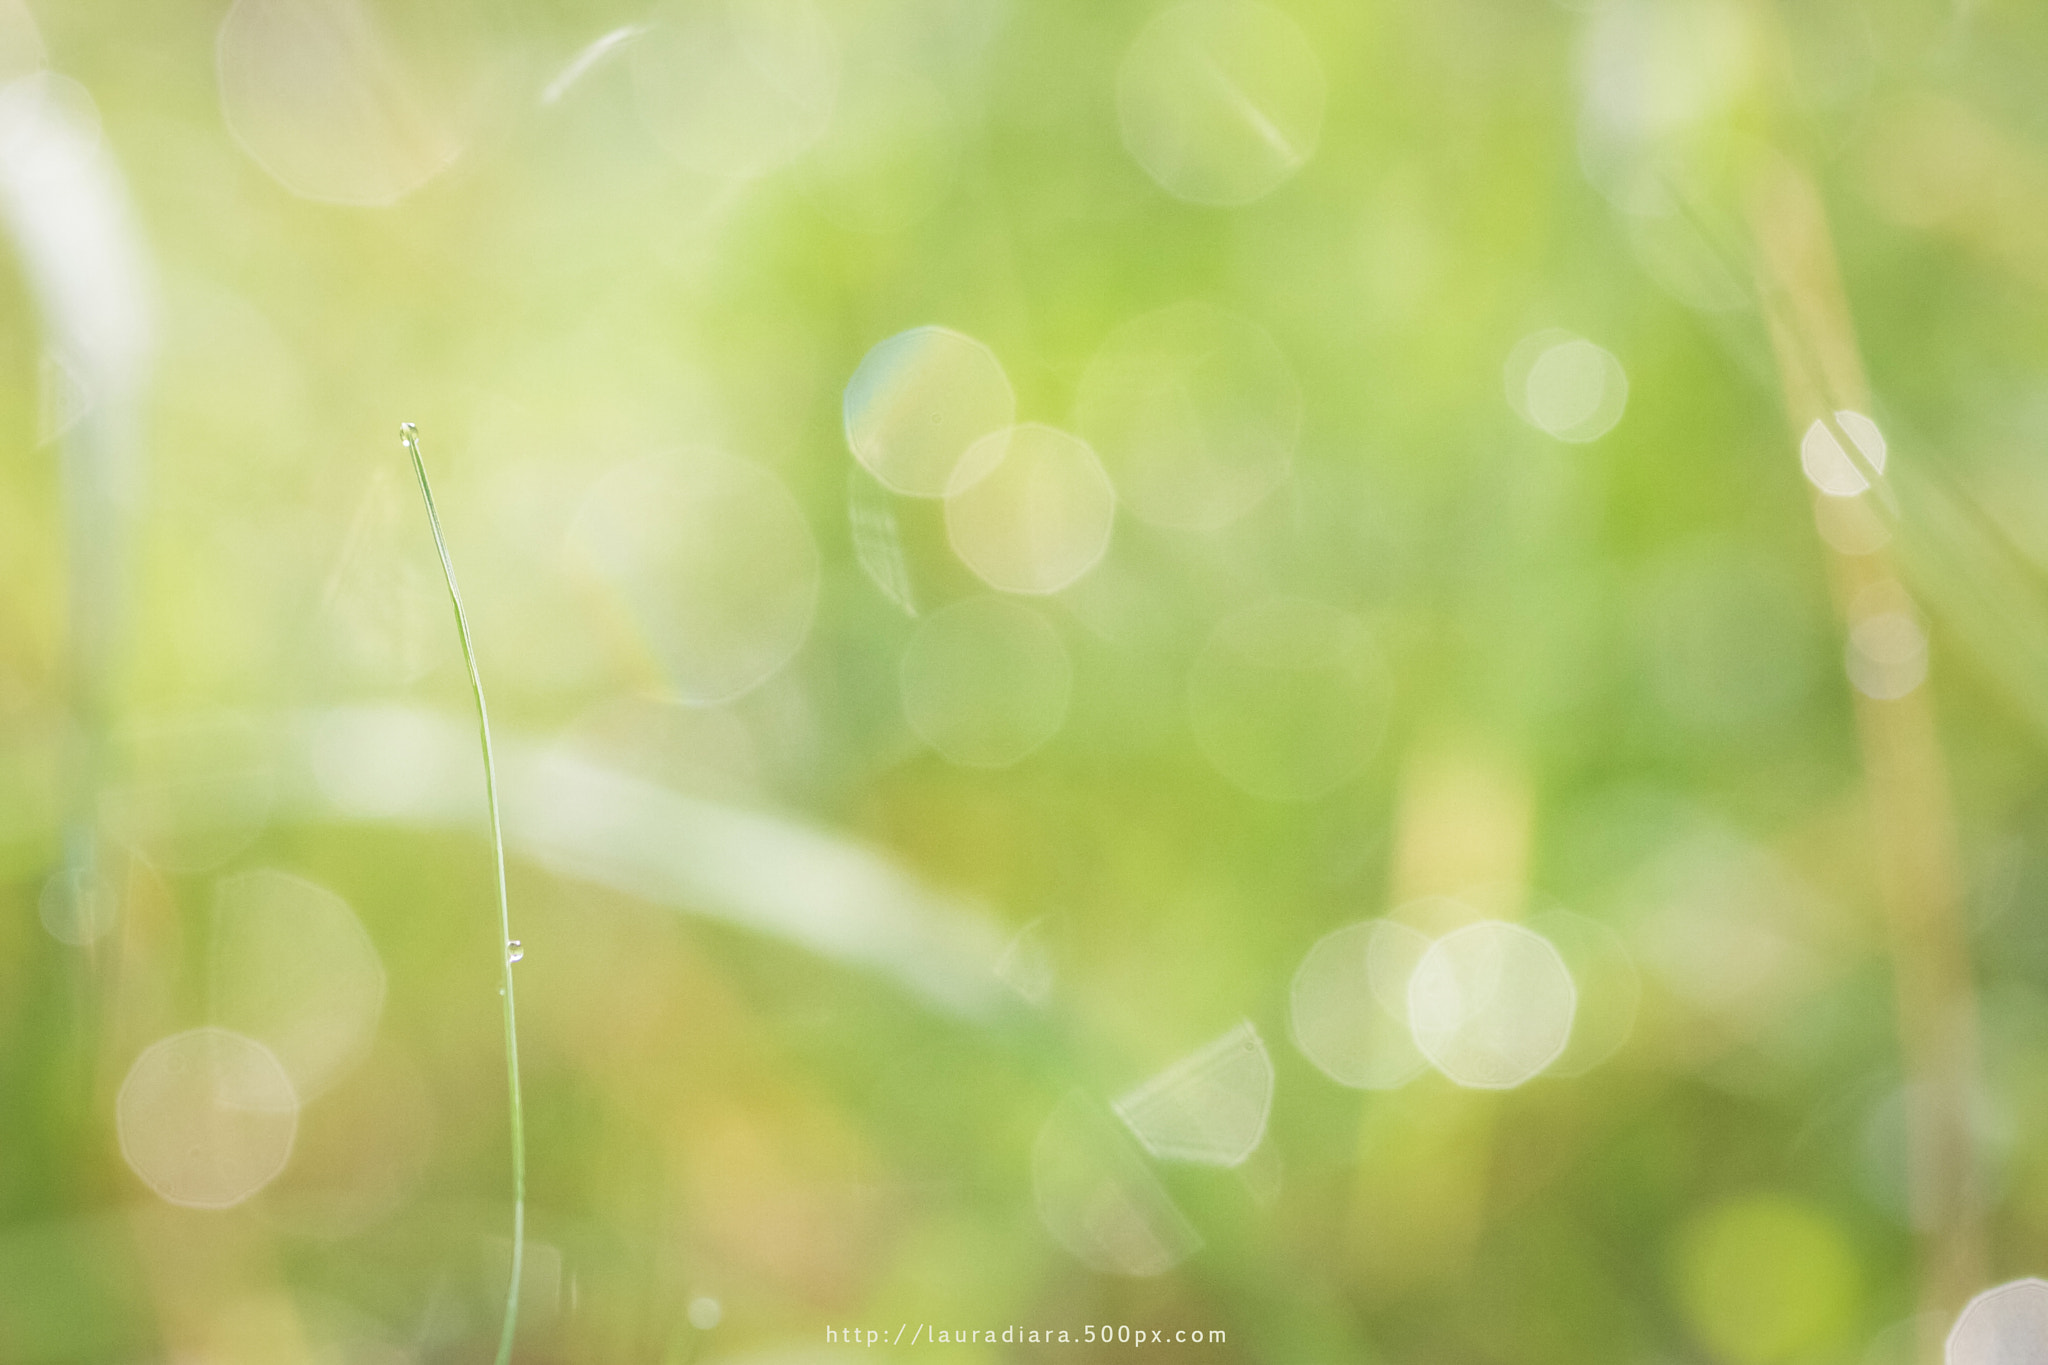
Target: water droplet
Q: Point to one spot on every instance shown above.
(705, 1313)
(514, 951)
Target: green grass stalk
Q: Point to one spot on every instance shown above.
(409, 434)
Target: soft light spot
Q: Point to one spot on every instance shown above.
(736, 88)
(891, 156)
(1652, 68)
(1029, 509)
(1669, 245)
(1210, 1106)
(1566, 386)
(1732, 646)
(702, 750)
(1288, 699)
(1765, 1279)
(1657, 76)
(292, 967)
(985, 682)
(316, 96)
(200, 789)
(1195, 412)
(2003, 1326)
(1609, 988)
(1220, 101)
(388, 763)
(1491, 1004)
(705, 1313)
(80, 904)
(1096, 1197)
(1850, 526)
(1831, 468)
(713, 561)
(383, 603)
(21, 44)
(1722, 930)
(1886, 657)
(1348, 1004)
(206, 1118)
(918, 401)
(66, 206)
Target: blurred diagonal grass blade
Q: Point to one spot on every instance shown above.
(410, 435)
(759, 871)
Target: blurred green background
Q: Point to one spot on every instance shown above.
(1570, 465)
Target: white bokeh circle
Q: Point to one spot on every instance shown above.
(1220, 101)
(207, 1117)
(1491, 1004)
(1195, 413)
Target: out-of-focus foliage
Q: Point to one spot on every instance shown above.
(942, 849)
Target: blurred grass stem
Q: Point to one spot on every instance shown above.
(410, 435)
(1912, 823)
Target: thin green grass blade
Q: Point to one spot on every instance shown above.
(409, 434)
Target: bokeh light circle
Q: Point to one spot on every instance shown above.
(1566, 386)
(736, 88)
(291, 965)
(916, 403)
(1765, 1279)
(1348, 1004)
(1195, 413)
(1221, 101)
(1830, 467)
(1491, 1004)
(1608, 988)
(891, 156)
(1288, 699)
(198, 790)
(1209, 1107)
(317, 98)
(1030, 509)
(713, 561)
(1886, 653)
(2007, 1325)
(206, 1118)
(80, 905)
(986, 681)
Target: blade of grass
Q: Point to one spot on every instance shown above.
(410, 435)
